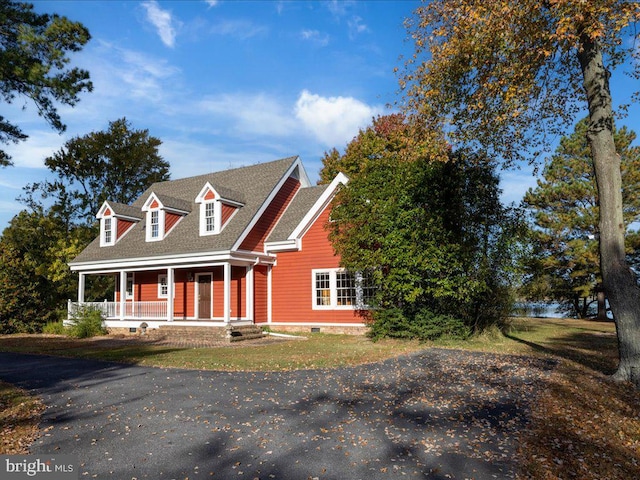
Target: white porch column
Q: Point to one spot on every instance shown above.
(123, 293)
(81, 287)
(170, 295)
(227, 293)
(269, 293)
(249, 288)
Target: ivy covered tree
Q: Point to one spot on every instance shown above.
(506, 77)
(565, 265)
(429, 234)
(34, 63)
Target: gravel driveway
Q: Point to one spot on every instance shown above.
(434, 414)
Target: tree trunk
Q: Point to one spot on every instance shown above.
(619, 281)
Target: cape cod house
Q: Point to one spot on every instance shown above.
(247, 246)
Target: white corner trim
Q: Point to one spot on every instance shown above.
(319, 206)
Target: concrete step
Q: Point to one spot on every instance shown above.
(230, 334)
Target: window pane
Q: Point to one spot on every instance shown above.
(107, 230)
(164, 287)
(155, 228)
(209, 216)
(323, 289)
(345, 288)
(367, 289)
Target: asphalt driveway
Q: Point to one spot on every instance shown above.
(435, 414)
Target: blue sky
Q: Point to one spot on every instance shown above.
(225, 84)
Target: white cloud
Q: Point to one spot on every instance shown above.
(242, 29)
(256, 114)
(515, 183)
(334, 121)
(128, 74)
(212, 3)
(315, 37)
(32, 152)
(356, 27)
(163, 21)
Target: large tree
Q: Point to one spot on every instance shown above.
(511, 75)
(564, 209)
(117, 164)
(29, 294)
(34, 65)
(428, 232)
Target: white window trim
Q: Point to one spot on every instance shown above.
(163, 276)
(130, 296)
(333, 290)
(103, 231)
(217, 217)
(149, 229)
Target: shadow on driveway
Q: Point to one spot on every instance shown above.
(434, 414)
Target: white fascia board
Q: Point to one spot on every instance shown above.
(283, 245)
(147, 205)
(126, 217)
(267, 202)
(104, 206)
(319, 206)
(181, 261)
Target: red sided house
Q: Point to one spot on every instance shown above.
(241, 247)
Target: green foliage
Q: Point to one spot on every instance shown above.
(118, 164)
(34, 64)
(55, 328)
(432, 233)
(87, 322)
(563, 262)
(422, 325)
(35, 281)
(28, 298)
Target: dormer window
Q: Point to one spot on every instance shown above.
(155, 220)
(163, 214)
(115, 221)
(210, 217)
(107, 233)
(217, 207)
(155, 224)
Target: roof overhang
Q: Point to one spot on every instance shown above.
(175, 261)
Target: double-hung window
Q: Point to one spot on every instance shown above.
(163, 286)
(107, 231)
(210, 217)
(340, 289)
(155, 224)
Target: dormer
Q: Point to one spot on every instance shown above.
(217, 206)
(116, 220)
(163, 213)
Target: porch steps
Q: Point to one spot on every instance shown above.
(211, 334)
(246, 332)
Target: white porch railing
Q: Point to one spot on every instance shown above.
(132, 310)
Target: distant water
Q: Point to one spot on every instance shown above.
(537, 309)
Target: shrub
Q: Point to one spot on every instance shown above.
(422, 325)
(87, 322)
(55, 328)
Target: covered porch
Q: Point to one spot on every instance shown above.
(216, 293)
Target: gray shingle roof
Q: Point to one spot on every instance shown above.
(120, 209)
(300, 205)
(174, 203)
(254, 184)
